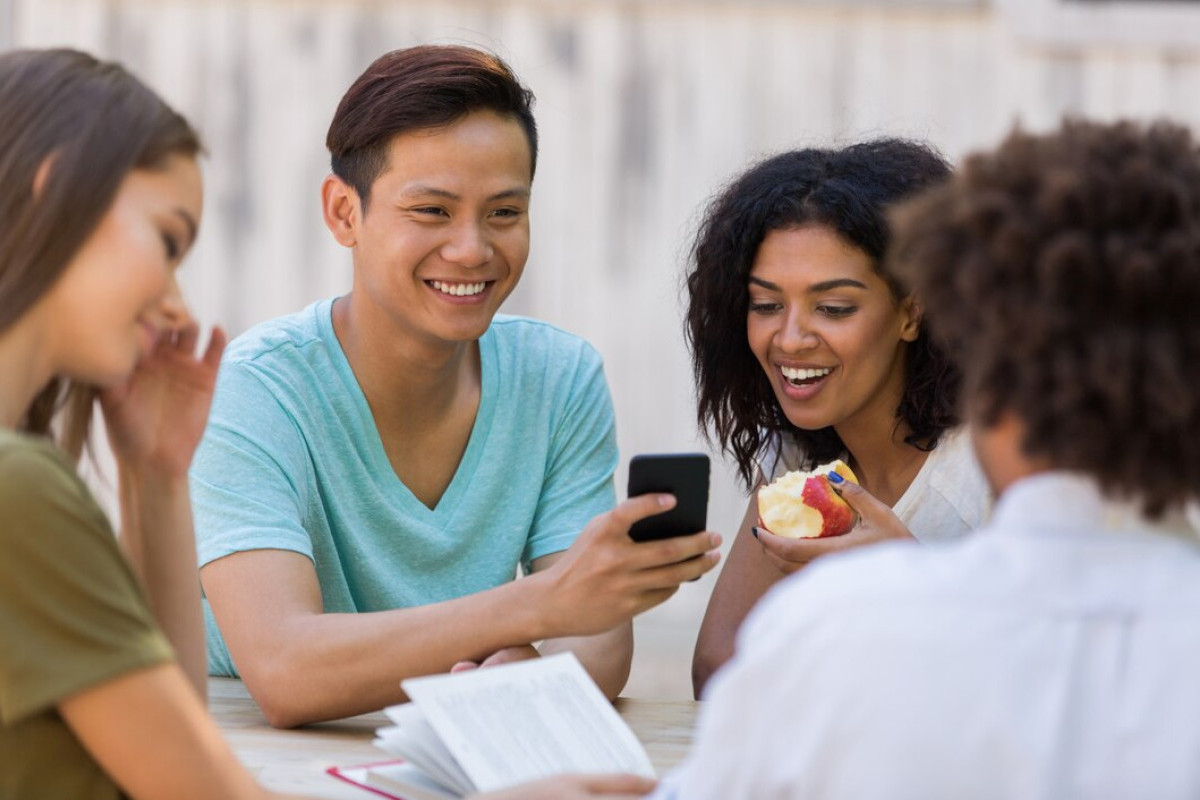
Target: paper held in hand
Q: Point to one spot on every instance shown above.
(501, 726)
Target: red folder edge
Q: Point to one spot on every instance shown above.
(341, 776)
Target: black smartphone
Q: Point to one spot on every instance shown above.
(684, 475)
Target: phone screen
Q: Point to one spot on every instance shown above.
(684, 475)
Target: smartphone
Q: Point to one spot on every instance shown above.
(684, 475)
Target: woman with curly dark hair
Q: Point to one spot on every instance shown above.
(805, 349)
(1052, 653)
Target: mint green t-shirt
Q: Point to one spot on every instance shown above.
(292, 460)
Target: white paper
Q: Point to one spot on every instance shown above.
(518, 722)
(414, 740)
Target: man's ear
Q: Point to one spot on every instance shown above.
(910, 325)
(342, 209)
(1000, 448)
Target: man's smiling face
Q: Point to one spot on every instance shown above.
(445, 234)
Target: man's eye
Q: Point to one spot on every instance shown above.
(431, 210)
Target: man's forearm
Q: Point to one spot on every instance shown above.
(607, 657)
(303, 665)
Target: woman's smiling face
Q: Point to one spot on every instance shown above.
(827, 330)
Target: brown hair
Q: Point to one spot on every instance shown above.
(428, 86)
(1063, 274)
(92, 122)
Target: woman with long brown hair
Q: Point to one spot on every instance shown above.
(102, 674)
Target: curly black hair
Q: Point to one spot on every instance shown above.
(1062, 271)
(848, 190)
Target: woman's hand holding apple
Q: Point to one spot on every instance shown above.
(876, 523)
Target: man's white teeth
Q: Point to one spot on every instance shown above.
(793, 374)
(458, 289)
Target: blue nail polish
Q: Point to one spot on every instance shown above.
(754, 531)
(835, 478)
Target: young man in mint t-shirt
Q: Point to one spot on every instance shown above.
(377, 466)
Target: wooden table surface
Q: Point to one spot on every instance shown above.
(296, 760)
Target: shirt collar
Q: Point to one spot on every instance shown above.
(1069, 503)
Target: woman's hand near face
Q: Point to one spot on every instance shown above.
(156, 418)
(155, 421)
(876, 523)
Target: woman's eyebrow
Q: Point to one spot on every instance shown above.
(816, 288)
(837, 283)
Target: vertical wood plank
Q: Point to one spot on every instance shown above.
(6, 24)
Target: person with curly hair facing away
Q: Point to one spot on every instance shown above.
(1051, 654)
(806, 349)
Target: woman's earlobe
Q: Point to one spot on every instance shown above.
(910, 331)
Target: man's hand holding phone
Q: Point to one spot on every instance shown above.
(606, 578)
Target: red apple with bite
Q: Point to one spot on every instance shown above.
(803, 505)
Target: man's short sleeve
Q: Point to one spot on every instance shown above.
(583, 457)
(248, 475)
(72, 613)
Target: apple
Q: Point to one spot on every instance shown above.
(803, 505)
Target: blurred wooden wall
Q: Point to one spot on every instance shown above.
(645, 108)
(6, 20)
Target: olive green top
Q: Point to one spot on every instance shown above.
(72, 615)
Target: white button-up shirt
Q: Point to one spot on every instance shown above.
(1055, 655)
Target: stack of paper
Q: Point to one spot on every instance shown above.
(498, 727)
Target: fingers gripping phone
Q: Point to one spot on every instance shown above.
(684, 475)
